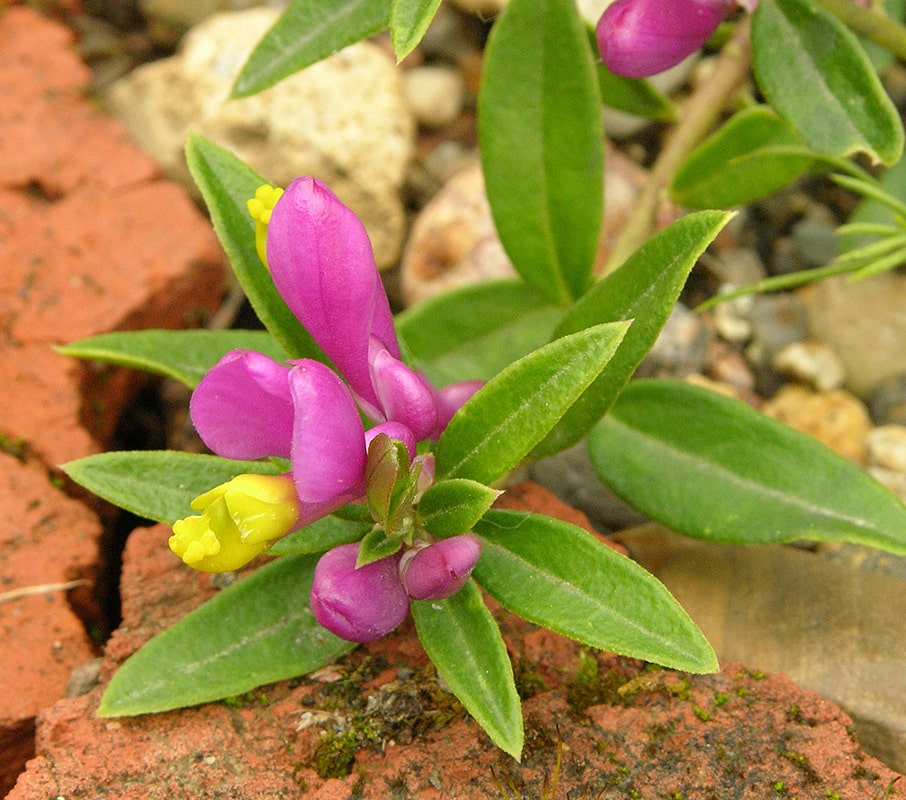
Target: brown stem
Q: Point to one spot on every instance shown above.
(697, 118)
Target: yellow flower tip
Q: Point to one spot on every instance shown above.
(260, 207)
(239, 519)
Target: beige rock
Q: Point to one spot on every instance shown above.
(342, 120)
(836, 417)
(454, 242)
(812, 363)
(434, 95)
(168, 20)
(886, 447)
(864, 323)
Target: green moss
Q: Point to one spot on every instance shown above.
(528, 680)
(703, 715)
(720, 699)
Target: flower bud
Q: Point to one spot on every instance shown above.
(359, 605)
(240, 519)
(440, 569)
(638, 38)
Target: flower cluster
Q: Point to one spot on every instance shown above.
(638, 38)
(249, 407)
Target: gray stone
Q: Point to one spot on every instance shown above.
(342, 120)
(777, 320)
(865, 323)
(816, 238)
(834, 628)
(887, 401)
(680, 348)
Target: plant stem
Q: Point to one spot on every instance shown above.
(873, 25)
(696, 120)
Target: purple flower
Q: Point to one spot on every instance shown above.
(441, 569)
(637, 38)
(358, 604)
(322, 264)
(249, 406)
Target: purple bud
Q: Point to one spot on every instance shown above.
(440, 569)
(638, 38)
(359, 605)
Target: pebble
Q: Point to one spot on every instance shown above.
(887, 402)
(737, 266)
(812, 363)
(731, 318)
(777, 320)
(816, 240)
(885, 447)
(894, 481)
(864, 322)
(835, 417)
(434, 95)
(342, 120)
(680, 348)
(726, 365)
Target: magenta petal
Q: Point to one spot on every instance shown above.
(395, 430)
(440, 569)
(402, 394)
(450, 399)
(637, 38)
(321, 260)
(359, 605)
(328, 439)
(242, 407)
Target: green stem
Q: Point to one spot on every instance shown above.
(697, 118)
(873, 25)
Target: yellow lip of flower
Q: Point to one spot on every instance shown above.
(240, 519)
(260, 207)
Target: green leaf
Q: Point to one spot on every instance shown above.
(377, 545)
(321, 535)
(539, 125)
(226, 184)
(744, 160)
(635, 96)
(504, 420)
(461, 638)
(158, 484)
(183, 355)
(557, 575)
(814, 73)
(306, 32)
(644, 289)
(449, 508)
(474, 332)
(257, 631)
(878, 209)
(409, 19)
(714, 468)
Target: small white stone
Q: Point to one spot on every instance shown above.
(434, 95)
(812, 363)
(886, 447)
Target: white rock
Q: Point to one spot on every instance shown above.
(434, 95)
(885, 447)
(342, 120)
(812, 363)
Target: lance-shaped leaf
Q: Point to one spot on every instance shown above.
(539, 123)
(816, 75)
(643, 289)
(257, 631)
(474, 332)
(461, 638)
(452, 507)
(226, 184)
(158, 484)
(712, 467)
(750, 156)
(590, 592)
(321, 535)
(503, 421)
(185, 356)
(306, 32)
(409, 19)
